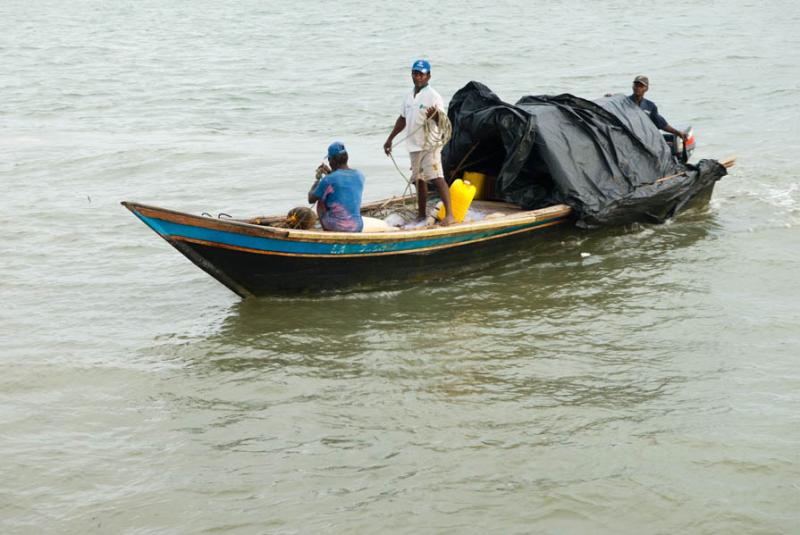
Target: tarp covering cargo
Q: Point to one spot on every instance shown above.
(605, 159)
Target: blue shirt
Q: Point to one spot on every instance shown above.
(650, 108)
(339, 204)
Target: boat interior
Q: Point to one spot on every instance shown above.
(400, 213)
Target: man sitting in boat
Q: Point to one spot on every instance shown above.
(640, 86)
(337, 192)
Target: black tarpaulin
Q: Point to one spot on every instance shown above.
(605, 159)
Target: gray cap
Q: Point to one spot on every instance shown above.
(641, 79)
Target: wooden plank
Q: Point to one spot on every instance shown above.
(521, 216)
(727, 163)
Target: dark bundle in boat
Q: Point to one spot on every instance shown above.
(604, 159)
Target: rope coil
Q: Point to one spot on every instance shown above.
(437, 132)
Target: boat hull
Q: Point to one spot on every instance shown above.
(255, 274)
(262, 261)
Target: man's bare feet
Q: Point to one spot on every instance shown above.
(447, 221)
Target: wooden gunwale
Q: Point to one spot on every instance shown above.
(226, 225)
(237, 226)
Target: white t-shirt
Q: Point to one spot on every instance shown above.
(413, 110)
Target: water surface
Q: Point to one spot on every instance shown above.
(649, 386)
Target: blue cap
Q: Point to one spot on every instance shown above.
(337, 147)
(422, 66)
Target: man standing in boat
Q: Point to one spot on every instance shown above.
(421, 105)
(640, 86)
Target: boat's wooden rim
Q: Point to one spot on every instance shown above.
(516, 217)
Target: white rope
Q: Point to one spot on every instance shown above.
(436, 138)
(437, 133)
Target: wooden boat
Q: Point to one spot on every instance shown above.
(260, 257)
(256, 257)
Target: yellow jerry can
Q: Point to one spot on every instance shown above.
(461, 195)
(479, 181)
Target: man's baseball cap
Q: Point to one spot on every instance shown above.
(337, 147)
(422, 66)
(642, 80)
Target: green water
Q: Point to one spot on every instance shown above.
(633, 380)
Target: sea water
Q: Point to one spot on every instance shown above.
(631, 380)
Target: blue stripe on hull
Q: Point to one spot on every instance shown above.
(169, 229)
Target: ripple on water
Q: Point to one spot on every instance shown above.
(599, 381)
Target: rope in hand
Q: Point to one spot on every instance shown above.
(437, 133)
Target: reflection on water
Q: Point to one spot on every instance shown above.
(506, 378)
(518, 283)
(503, 377)
(542, 329)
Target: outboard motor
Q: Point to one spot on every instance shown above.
(681, 150)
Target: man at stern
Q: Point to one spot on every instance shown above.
(640, 86)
